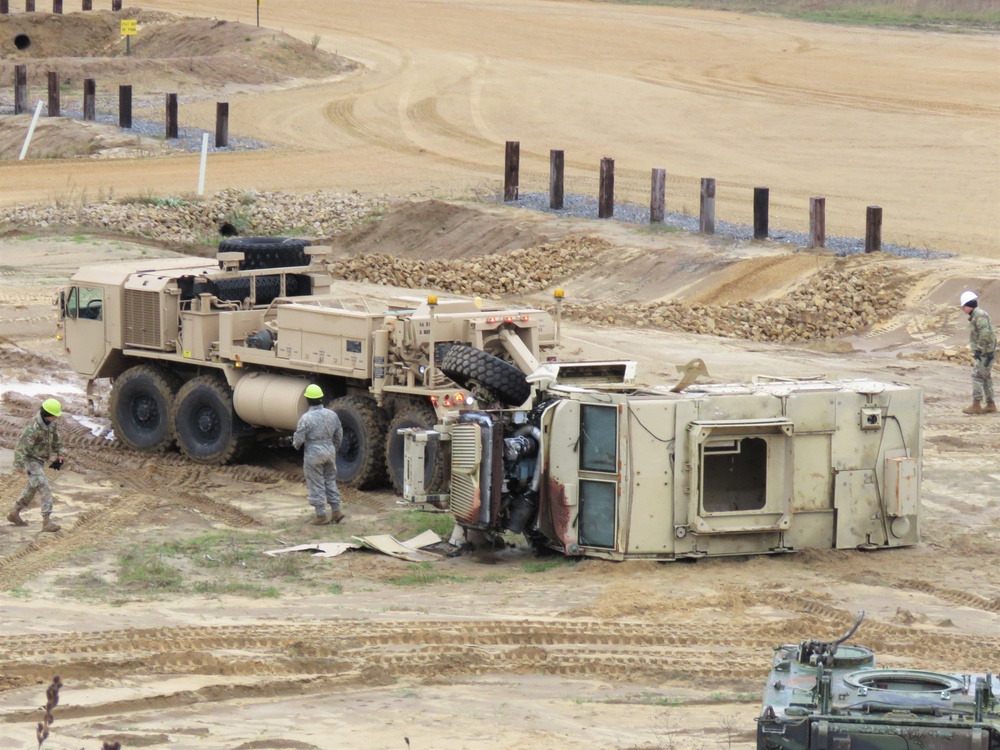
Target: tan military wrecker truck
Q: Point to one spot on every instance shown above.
(211, 355)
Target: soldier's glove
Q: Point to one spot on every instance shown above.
(57, 464)
(978, 354)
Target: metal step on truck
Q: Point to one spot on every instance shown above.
(211, 355)
(593, 465)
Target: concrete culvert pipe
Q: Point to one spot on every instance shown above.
(22, 41)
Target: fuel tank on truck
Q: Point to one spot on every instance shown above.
(270, 400)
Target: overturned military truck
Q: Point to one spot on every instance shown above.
(825, 695)
(592, 465)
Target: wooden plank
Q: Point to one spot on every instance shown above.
(511, 171)
(221, 124)
(557, 165)
(53, 94)
(90, 99)
(606, 192)
(873, 229)
(87, 5)
(706, 219)
(761, 198)
(172, 116)
(817, 222)
(657, 196)
(125, 105)
(20, 89)
(57, 6)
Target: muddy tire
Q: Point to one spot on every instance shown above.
(203, 421)
(469, 367)
(361, 458)
(142, 399)
(267, 252)
(420, 415)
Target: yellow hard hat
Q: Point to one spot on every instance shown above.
(53, 407)
(313, 391)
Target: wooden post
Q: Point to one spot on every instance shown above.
(761, 196)
(20, 89)
(4, 7)
(125, 106)
(657, 196)
(116, 5)
(221, 124)
(557, 164)
(817, 222)
(873, 230)
(90, 99)
(87, 5)
(53, 94)
(706, 222)
(57, 6)
(511, 171)
(171, 115)
(29, 6)
(606, 194)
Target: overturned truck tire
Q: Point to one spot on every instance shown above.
(267, 252)
(470, 367)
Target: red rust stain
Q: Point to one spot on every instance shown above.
(473, 517)
(562, 513)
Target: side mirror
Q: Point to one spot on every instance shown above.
(62, 304)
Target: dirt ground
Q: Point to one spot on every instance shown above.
(169, 627)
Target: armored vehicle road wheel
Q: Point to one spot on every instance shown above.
(470, 367)
(141, 401)
(267, 252)
(203, 421)
(413, 415)
(361, 458)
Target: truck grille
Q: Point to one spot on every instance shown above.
(466, 450)
(142, 319)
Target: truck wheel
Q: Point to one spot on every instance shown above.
(267, 252)
(413, 415)
(469, 367)
(203, 421)
(361, 458)
(141, 401)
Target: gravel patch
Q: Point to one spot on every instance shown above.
(585, 207)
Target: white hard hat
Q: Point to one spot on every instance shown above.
(967, 297)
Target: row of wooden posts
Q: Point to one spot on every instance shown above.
(657, 199)
(124, 105)
(57, 6)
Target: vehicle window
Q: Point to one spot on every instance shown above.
(597, 514)
(72, 302)
(91, 304)
(598, 438)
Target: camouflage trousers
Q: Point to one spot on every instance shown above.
(38, 484)
(321, 480)
(982, 378)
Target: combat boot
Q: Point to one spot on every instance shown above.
(15, 517)
(49, 525)
(991, 407)
(976, 408)
(336, 516)
(318, 520)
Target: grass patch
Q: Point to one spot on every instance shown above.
(422, 574)
(541, 566)
(145, 570)
(406, 524)
(20, 593)
(950, 15)
(335, 588)
(249, 590)
(152, 200)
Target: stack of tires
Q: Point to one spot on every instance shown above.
(267, 252)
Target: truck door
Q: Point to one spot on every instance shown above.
(83, 328)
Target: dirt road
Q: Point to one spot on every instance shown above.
(904, 120)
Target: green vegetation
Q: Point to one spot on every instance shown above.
(406, 524)
(145, 571)
(953, 15)
(541, 566)
(250, 590)
(152, 200)
(422, 574)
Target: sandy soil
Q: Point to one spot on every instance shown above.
(487, 651)
(905, 120)
(226, 649)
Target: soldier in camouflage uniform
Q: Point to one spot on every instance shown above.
(319, 429)
(983, 342)
(38, 442)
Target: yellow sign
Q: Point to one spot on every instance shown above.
(128, 28)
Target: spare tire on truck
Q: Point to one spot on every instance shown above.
(267, 252)
(470, 367)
